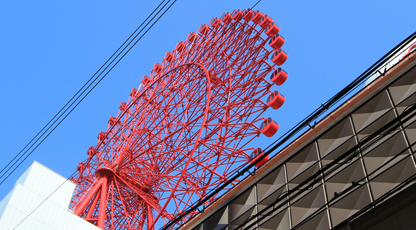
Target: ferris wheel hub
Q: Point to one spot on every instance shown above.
(105, 172)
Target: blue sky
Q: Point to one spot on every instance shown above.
(49, 49)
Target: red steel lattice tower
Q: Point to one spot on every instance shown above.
(187, 128)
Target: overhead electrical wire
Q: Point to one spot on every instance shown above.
(135, 42)
(84, 91)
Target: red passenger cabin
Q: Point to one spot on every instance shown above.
(237, 15)
(256, 154)
(265, 21)
(112, 121)
(257, 17)
(276, 100)
(279, 57)
(91, 151)
(269, 127)
(215, 22)
(279, 76)
(133, 92)
(226, 18)
(102, 136)
(157, 68)
(272, 29)
(81, 167)
(169, 56)
(192, 36)
(180, 46)
(145, 80)
(277, 41)
(123, 106)
(247, 15)
(204, 29)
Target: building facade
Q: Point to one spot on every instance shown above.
(40, 201)
(354, 169)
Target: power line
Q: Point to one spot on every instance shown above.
(256, 4)
(101, 73)
(105, 74)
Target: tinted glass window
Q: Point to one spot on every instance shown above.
(262, 125)
(273, 74)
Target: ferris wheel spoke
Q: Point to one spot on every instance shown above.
(122, 202)
(146, 198)
(209, 169)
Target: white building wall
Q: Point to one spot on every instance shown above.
(39, 201)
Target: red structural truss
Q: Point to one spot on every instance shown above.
(186, 129)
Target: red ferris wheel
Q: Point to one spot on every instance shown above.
(189, 126)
